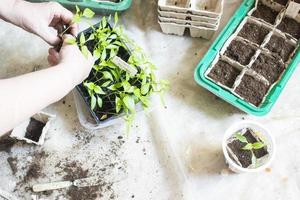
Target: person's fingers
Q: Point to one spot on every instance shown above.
(50, 37)
(74, 29)
(67, 38)
(53, 57)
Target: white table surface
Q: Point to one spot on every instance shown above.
(173, 153)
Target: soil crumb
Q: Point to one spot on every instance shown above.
(13, 161)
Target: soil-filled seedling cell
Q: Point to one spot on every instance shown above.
(290, 26)
(243, 156)
(240, 52)
(254, 32)
(224, 73)
(265, 13)
(297, 1)
(282, 2)
(252, 90)
(178, 3)
(279, 46)
(259, 153)
(269, 67)
(209, 5)
(34, 130)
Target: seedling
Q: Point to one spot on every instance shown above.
(122, 75)
(250, 146)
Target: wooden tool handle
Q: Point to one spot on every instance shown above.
(51, 186)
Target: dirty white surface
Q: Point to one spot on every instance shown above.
(173, 153)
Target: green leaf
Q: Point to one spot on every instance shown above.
(76, 18)
(258, 145)
(88, 13)
(82, 39)
(137, 92)
(96, 54)
(99, 102)
(106, 84)
(116, 19)
(93, 102)
(248, 147)
(254, 160)
(91, 37)
(129, 103)
(107, 75)
(98, 90)
(77, 9)
(103, 22)
(118, 104)
(89, 85)
(241, 138)
(145, 88)
(71, 41)
(85, 51)
(103, 55)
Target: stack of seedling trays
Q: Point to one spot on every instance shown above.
(200, 17)
(251, 61)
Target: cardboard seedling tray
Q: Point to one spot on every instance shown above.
(230, 32)
(99, 6)
(188, 22)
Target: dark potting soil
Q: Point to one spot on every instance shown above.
(224, 73)
(259, 153)
(297, 1)
(244, 156)
(240, 52)
(34, 130)
(252, 90)
(282, 2)
(269, 67)
(254, 33)
(6, 143)
(265, 13)
(291, 26)
(280, 47)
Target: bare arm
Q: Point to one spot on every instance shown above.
(23, 96)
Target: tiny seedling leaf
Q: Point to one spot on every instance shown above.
(93, 102)
(258, 145)
(82, 39)
(98, 90)
(99, 102)
(107, 75)
(71, 41)
(118, 104)
(76, 18)
(241, 138)
(145, 88)
(85, 51)
(116, 19)
(88, 13)
(248, 147)
(129, 103)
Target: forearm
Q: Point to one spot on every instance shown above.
(23, 96)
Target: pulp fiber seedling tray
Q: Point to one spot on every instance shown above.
(105, 7)
(213, 52)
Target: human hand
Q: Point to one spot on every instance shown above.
(71, 58)
(43, 19)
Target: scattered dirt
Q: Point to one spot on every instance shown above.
(280, 47)
(74, 171)
(252, 90)
(240, 52)
(283, 2)
(254, 33)
(34, 130)
(6, 143)
(13, 161)
(265, 13)
(269, 67)
(268, 169)
(244, 156)
(35, 168)
(291, 26)
(224, 73)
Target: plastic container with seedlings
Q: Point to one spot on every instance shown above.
(276, 57)
(33, 130)
(248, 147)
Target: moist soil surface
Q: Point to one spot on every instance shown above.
(244, 156)
(265, 13)
(259, 153)
(252, 90)
(283, 2)
(269, 67)
(240, 52)
(280, 47)
(224, 73)
(291, 26)
(254, 33)
(34, 130)
(297, 1)
(6, 143)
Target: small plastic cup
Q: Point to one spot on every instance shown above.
(264, 135)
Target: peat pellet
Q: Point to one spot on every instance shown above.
(269, 67)
(280, 47)
(34, 130)
(240, 52)
(259, 153)
(252, 90)
(224, 73)
(291, 26)
(243, 156)
(282, 2)
(265, 13)
(254, 33)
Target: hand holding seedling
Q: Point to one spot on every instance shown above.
(42, 19)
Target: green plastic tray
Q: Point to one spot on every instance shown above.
(98, 7)
(205, 63)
